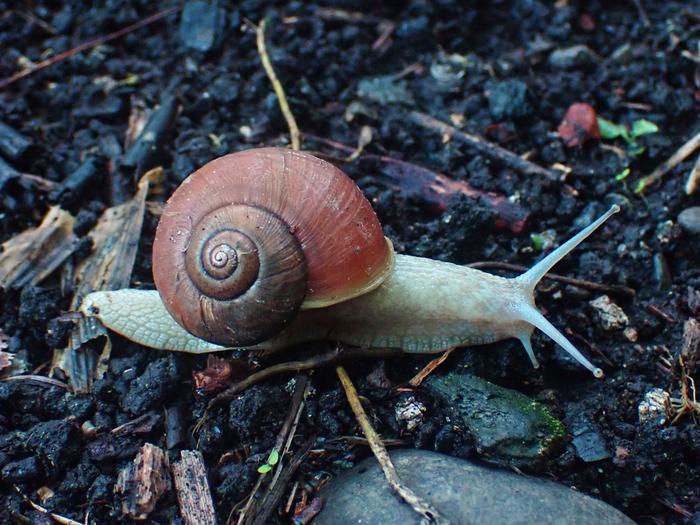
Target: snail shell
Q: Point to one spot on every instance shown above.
(250, 238)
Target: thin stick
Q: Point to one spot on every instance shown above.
(87, 45)
(42, 380)
(420, 506)
(581, 283)
(331, 358)
(258, 502)
(491, 150)
(294, 134)
(679, 156)
(430, 367)
(642, 13)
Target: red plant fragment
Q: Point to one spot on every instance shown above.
(215, 377)
(580, 123)
(219, 374)
(586, 22)
(436, 189)
(303, 514)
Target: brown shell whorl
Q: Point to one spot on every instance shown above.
(252, 237)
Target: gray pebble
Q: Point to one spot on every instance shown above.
(689, 219)
(462, 492)
(509, 100)
(573, 57)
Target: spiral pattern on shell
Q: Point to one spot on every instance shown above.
(250, 238)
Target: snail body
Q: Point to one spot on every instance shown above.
(332, 276)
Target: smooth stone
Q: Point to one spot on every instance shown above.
(202, 26)
(573, 57)
(509, 99)
(508, 427)
(462, 492)
(689, 219)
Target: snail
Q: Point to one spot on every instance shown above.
(269, 247)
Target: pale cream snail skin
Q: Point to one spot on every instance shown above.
(399, 301)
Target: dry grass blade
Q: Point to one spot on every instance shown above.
(85, 46)
(31, 256)
(610, 289)
(678, 156)
(428, 369)
(294, 134)
(693, 181)
(423, 508)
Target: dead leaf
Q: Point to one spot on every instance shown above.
(31, 256)
(116, 238)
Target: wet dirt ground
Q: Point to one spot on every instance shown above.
(505, 70)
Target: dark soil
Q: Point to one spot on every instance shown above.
(484, 61)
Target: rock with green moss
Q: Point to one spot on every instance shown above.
(508, 427)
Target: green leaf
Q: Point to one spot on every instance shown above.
(629, 139)
(264, 469)
(274, 457)
(623, 174)
(636, 149)
(643, 127)
(537, 241)
(640, 186)
(610, 130)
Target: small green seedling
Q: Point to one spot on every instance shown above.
(610, 130)
(272, 460)
(537, 241)
(622, 175)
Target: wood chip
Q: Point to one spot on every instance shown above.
(192, 487)
(31, 256)
(143, 482)
(691, 342)
(116, 238)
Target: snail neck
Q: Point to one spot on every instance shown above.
(423, 306)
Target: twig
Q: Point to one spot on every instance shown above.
(679, 156)
(283, 473)
(491, 150)
(423, 508)
(436, 188)
(357, 440)
(32, 18)
(331, 358)
(37, 379)
(693, 181)
(87, 45)
(611, 289)
(56, 517)
(254, 510)
(642, 13)
(277, 491)
(294, 134)
(430, 367)
(352, 17)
